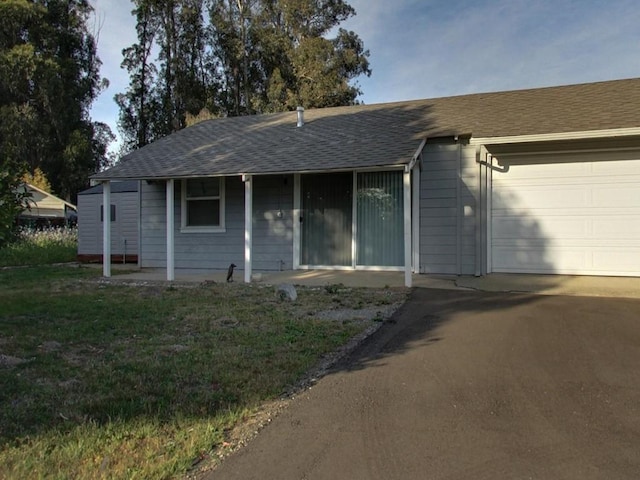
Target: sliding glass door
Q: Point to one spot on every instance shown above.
(380, 219)
(327, 219)
(342, 229)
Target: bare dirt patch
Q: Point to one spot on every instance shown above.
(10, 361)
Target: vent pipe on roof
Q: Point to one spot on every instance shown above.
(300, 111)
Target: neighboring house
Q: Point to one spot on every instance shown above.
(125, 221)
(45, 209)
(534, 181)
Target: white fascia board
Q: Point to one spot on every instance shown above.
(550, 137)
(416, 156)
(373, 168)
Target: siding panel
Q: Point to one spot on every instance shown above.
(153, 230)
(448, 191)
(273, 223)
(124, 227)
(272, 232)
(213, 251)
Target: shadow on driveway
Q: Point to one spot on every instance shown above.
(469, 385)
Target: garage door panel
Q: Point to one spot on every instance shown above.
(604, 172)
(627, 195)
(614, 168)
(616, 259)
(574, 218)
(540, 197)
(515, 228)
(534, 214)
(537, 260)
(624, 227)
(568, 196)
(538, 168)
(544, 165)
(578, 261)
(560, 228)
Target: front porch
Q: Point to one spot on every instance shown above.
(618, 287)
(349, 278)
(354, 220)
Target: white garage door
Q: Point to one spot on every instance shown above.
(567, 214)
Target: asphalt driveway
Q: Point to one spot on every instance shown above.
(469, 385)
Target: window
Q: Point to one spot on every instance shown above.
(203, 205)
(113, 213)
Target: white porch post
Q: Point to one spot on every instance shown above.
(106, 228)
(407, 227)
(296, 221)
(248, 225)
(171, 273)
(416, 219)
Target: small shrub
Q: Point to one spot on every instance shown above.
(333, 288)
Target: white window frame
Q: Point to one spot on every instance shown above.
(184, 228)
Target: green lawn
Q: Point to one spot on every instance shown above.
(123, 381)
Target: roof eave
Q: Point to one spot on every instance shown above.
(550, 137)
(416, 156)
(51, 195)
(398, 165)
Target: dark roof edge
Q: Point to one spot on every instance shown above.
(117, 186)
(494, 92)
(394, 166)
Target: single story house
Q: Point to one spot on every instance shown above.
(45, 209)
(125, 222)
(542, 180)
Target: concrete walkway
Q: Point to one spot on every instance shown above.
(620, 287)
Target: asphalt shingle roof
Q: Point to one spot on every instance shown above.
(376, 135)
(116, 187)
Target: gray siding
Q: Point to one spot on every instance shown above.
(153, 251)
(272, 235)
(124, 227)
(213, 250)
(273, 232)
(89, 225)
(449, 184)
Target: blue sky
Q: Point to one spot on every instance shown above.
(435, 48)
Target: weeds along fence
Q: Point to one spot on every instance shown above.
(41, 246)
